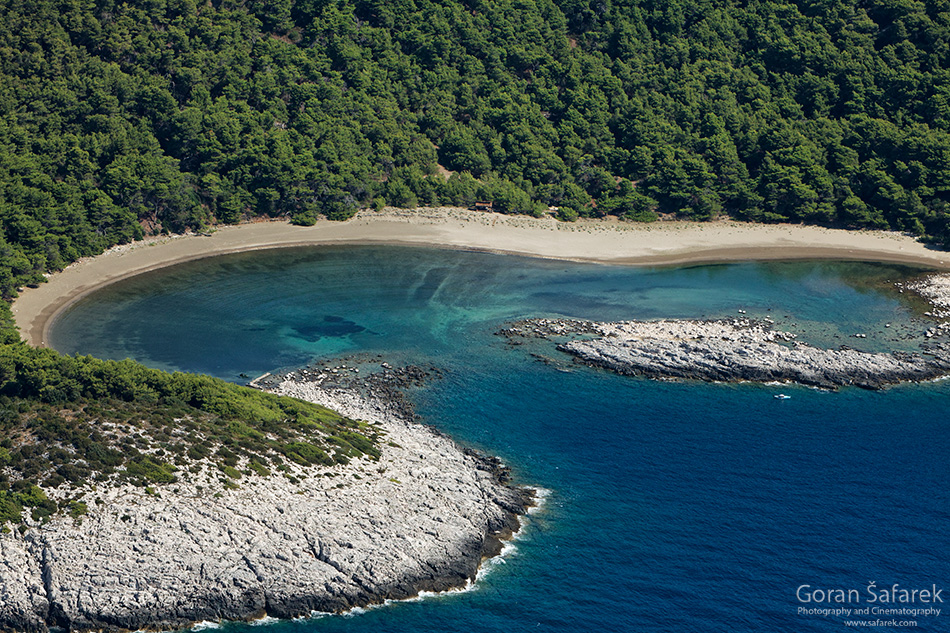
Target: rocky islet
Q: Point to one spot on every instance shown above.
(741, 349)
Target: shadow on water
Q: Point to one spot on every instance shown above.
(330, 326)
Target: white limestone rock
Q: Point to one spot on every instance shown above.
(420, 518)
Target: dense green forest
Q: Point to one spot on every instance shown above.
(124, 118)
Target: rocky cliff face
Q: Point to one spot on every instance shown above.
(726, 351)
(422, 517)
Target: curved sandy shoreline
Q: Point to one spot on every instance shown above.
(663, 243)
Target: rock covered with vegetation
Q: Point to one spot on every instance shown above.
(420, 515)
(119, 119)
(71, 425)
(738, 350)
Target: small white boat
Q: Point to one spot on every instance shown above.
(781, 396)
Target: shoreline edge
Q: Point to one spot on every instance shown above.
(655, 244)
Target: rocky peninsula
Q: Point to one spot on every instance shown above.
(734, 350)
(421, 517)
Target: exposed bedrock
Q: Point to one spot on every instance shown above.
(421, 518)
(726, 351)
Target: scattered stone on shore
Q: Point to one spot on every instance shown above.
(420, 518)
(378, 381)
(935, 288)
(736, 350)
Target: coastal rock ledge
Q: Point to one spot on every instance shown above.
(738, 350)
(421, 518)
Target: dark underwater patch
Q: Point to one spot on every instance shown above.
(332, 326)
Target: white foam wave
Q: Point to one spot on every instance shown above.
(492, 563)
(355, 611)
(540, 498)
(426, 595)
(314, 615)
(204, 625)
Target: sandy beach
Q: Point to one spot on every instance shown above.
(660, 243)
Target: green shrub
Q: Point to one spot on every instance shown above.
(230, 472)
(306, 454)
(259, 468)
(10, 507)
(145, 470)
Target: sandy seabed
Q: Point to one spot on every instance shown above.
(606, 241)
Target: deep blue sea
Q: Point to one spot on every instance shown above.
(673, 507)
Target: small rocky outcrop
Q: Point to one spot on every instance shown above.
(935, 289)
(725, 351)
(420, 518)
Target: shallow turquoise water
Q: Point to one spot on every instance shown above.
(673, 506)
